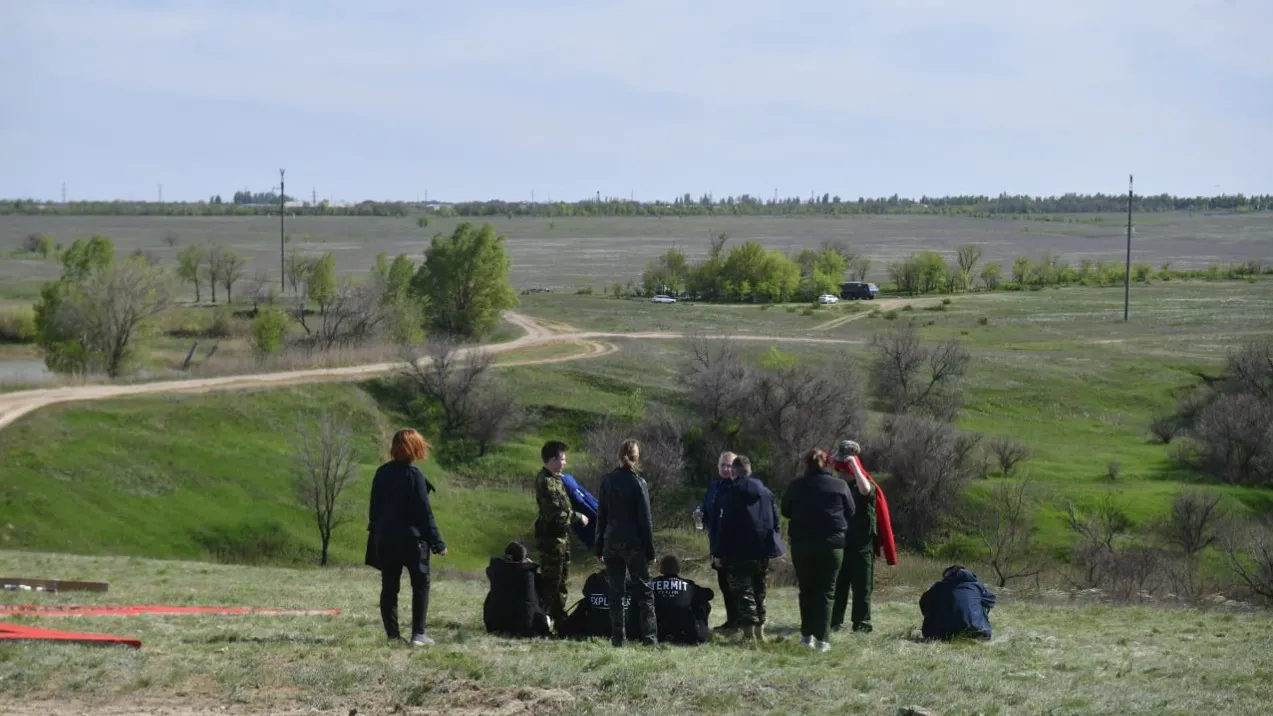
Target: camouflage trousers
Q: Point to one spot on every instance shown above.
(554, 570)
(748, 585)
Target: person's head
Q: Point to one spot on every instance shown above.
(408, 446)
(847, 449)
(817, 459)
(741, 467)
(515, 552)
(725, 465)
(670, 566)
(951, 571)
(553, 454)
(630, 454)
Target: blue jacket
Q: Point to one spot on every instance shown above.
(958, 605)
(749, 523)
(711, 509)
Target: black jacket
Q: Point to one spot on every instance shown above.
(623, 518)
(512, 606)
(682, 609)
(592, 616)
(400, 506)
(819, 506)
(749, 526)
(958, 605)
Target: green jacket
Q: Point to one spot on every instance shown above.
(555, 514)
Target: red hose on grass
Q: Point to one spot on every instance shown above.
(58, 610)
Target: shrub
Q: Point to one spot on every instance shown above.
(253, 542)
(269, 329)
(583, 291)
(1008, 452)
(890, 315)
(946, 302)
(1113, 469)
(983, 321)
(222, 325)
(807, 312)
(17, 325)
(1165, 428)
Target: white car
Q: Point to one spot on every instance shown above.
(827, 299)
(662, 299)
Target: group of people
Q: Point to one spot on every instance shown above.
(838, 525)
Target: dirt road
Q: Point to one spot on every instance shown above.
(15, 405)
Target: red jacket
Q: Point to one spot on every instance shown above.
(884, 544)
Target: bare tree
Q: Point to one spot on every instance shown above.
(1193, 522)
(233, 266)
(171, 239)
(1093, 556)
(1008, 452)
(1248, 552)
(1005, 526)
(1236, 436)
(789, 410)
(859, 268)
(348, 315)
(662, 450)
(967, 255)
(908, 376)
(326, 456)
(451, 378)
(930, 463)
(99, 318)
(1165, 428)
(495, 416)
(1249, 370)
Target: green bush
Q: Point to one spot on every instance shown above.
(891, 315)
(583, 291)
(17, 325)
(946, 302)
(222, 325)
(983, 321)
(807, 312)
(269, 328)
(249, 542)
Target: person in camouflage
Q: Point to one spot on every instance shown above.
(857, 572)
(552, 529)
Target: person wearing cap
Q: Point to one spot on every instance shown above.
(869, 533)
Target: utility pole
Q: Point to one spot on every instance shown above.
(1127, 275)
(63, 192)
(282, 218)
(161, 193)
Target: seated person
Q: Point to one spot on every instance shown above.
(512, 606)
(681, 606)
(591, 617)
(957, 606)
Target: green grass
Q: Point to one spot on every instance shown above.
(1059, 658)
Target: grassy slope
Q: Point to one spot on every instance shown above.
(1067, 658)
(148, 476)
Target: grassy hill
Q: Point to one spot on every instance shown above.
(1063, 657)
(203, 476)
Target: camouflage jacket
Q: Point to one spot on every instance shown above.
(555, 513)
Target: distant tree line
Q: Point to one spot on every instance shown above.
(976, 206)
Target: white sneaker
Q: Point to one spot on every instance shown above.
(550, 622)
(421, 640)
(808, 641)
(824, 647)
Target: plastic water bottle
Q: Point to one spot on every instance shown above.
(698, 518)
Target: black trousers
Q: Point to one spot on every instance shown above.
(620, 564)
(412, 554)
(731, 609)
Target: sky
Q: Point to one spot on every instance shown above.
(499, 99)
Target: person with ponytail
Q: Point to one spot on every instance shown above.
(625, 543)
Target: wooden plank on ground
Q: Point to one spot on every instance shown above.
(51, 585)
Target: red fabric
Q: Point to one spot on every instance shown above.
(57, 610)
(883, 523)
(17, 632)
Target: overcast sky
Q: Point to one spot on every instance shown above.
(495, 98)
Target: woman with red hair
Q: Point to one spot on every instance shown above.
(819, 506)
(404, 533)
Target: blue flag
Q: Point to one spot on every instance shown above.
(583, 502)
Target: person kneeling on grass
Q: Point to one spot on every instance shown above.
(591, 616)
(681, 606)
(512, 607)
(957, 606)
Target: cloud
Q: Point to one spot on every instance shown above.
(661, 93)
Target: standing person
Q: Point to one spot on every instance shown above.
(404, 532)
(710, 514)
(552, 529)
(869, 533)
(820, 508)
(748, 539)
(625, 542)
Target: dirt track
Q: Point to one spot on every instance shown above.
(15, 405)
